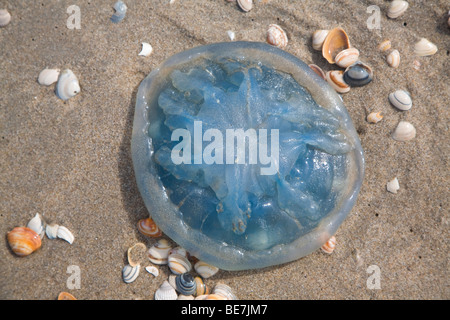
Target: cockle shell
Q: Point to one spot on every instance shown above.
(147, 49)
(65, 234)
(5, 17)
(393, 59)
(136, 254)
(318, 70)
(384, 45)
(130, 273)
(374, 117)
(205, 270)
(67, 85)
(225, 291)
(201, 287)
(121, 10)
(48, 76)
(152, 270)
(149, 228)
(400, 99)
(393, 186)
(159, 252)
(336, 79)
(245, 5)
(276, 36)
(358, 74)
(179, 264)
(397, 8)
(405, 131)
(347, 57)
(37, 224)
(336, 41)
(23, 241)
(318, 38)
(185, 284)
(424, 47)
(166, 292)
(330, 245)
(51, 230)
(66, 296)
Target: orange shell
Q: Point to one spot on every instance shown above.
(23, 241)
(330, 245)
(66, 296)
(336, 41)
(149, 228)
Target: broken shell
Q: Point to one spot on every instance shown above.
(384, 46)
(393, 186)
(231, 35)
(245, 5)
(205, 270)
(330, 245)
(23, 241)
(37, 224)
(152, 270)
(48, 76)
(336, 41)
(318, 38)
(276, 36)
(179, 264)
(66, 296)
(336, 79)
(159, 252)
(147, 49)
(424, 47)
(5, 17)
(358, 74)
(51, 230)
(129, 273)
(393, 59)
(136, 254)
(397, 8)
(374, 117)
(318, 70)
(416, 64)
(405, 131)
(149, 228)
(166, 292)
(401, 100)
(67, 85)
(225, 291)
(347, 57)
(185, 284)
(121, 10)
(201, 287)
(65, 234)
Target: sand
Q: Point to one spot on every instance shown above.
(71, 162)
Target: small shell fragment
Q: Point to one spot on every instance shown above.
(393, 186)
(147, 49)
(65, 234)
(384, 45)
(245, 5)
(166, 292)
(393, 59)
(67, 85)
(48, 76)
(347, 57)
(66, 296)
(231, 35)
(336, 41)
(276, 36)
(129, 273)
(5, 17)
(149, 228)
(397, 8)
(401, 99)
(37, 224)
(336, 79)
(121, 10)
(23, 241)
(424, 47)
(330, 245)
(318, 38)
(152, 270)
(405, 131)
(205, 270)
(136, 254)
(51, 230)
(374, 117)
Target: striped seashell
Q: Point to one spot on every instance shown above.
(330, 245)
(336, 41)
(159, 252)
(149, 228)
(129, 273)
(374, 117)
(401, 99)
(318, 70)
(23, 241)
(424, 47)
(166, 292)
(225, 291)
(393, 186)
(245, 5)
(336, 79)
(136, 254)
(205, 270)
(185, 284)
(37, 224)
(397, 8)
(393, 59)
(48, 76)
(347, 57)
(384, 45)
(179, 264)
(276, 36)
(201, 287)
(318, 38)
(5, 17)
(65, 234)
(404, 131)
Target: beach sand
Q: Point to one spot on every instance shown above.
(71, 161)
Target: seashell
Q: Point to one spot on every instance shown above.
(225, 291)
(318, 38)
(213, 296)
(23, 241)
(401, 100)
(384, 45)
(336, 41)
(374, 117)
(318, 70)
(159, 252)
(185, 284)
(231, 35)
(405, 131)
(136, 254)
(48, 76)
(121, 10)
(183, 297)
(5, 17)
(149, 228)
(166, 292)
(201, 287)
(147, 49)
(276, 36)
(130, 273)
(178, 250)
(152, 270)
(203, 297)
(65, 234)
(393, 59)
(397, 8)
(51, 230)
(336, 79)
(66, 296)
(205, 270)
(358, 74)
(172, 280)
(425, 48)
(393, 186)
(37, 224)
(179, 264)
(330, 245)
(347, 57)
(67, 85)
(245, 5)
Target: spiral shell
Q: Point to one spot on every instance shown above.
(405, 131)
(159, 252)
(336, 41)
(374, 117)
(23, 241)
(205, 270)
(185, 284)
(276, 36)
(225, 291)
(347, 57)
(166, 292)
(130, 273)
(318, 38)
(401, 99)
(336, 79)
(5, 17)
(245, 5)
(179, 264)
(37, 224)
(121, 10)
(67, 85)
(330, 245)
(424, 47)
(149, 228)
(393, 59)
(48, 76)
(397, 8)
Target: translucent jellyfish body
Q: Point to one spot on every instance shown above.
(243, 155)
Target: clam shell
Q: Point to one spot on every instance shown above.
(205, 270)
(5, 17)
(336, 41)
(149, 228)
(318, 70)
(136, 254)
(152, 270)
(121, 10)
(424, 47)
(330, 245)
(401, 99)
(129, 273)
(393, 186)
(65, 234)
(374, 117)
(201, 287)
(276, 36)
(37, 224)
(318, 38)
(384, 45)
(397, 8)
(147, 49)
(245, 5)
(179, 264)
(51, 230)
(23, 241)
(48, 76)
(67, 85)
(347, 57)
(66, 296)
(405, 131)
(336, 79)
(166, 292)
(159, 252)
(185, 284)
(183, 297)
(358, 74)
(393, 59)
(225, 291)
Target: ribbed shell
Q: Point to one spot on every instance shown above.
(23, 241)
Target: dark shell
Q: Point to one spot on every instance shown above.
(186, 284)
(358, 74)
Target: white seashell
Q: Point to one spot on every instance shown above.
(347, 57)
(5, 17)
(225, 291)
(336, 79)
(318, 38)
(37, 224)
(51, 230)
(179, 264)
(48, 76)
(129, 273)
(276, 36)
(166, 292)
(65, 234)
(231, 35)
(245, 5)
(183, 297)
(401, 100)
(147, 49)
(173, 280)
(393, 59)
(152, 270)
(405, 131)
(393, 186)
(159, 252)
(205, 270)
(397, 8)
(121, 10)
(67, 85)
(384, 45)
(374, 117)
(424, 47)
